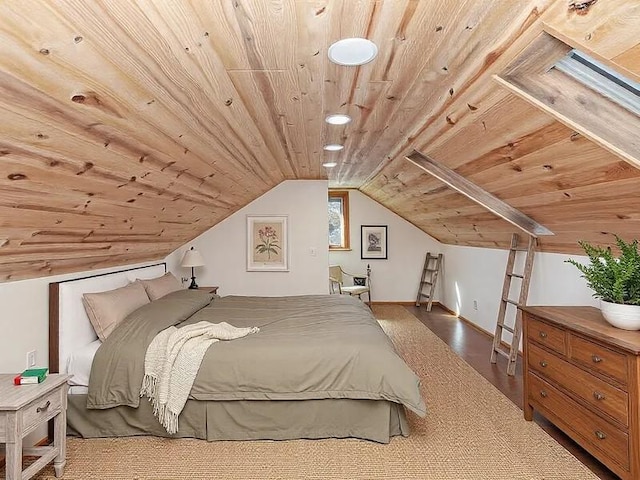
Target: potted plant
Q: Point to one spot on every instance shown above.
(615, 280)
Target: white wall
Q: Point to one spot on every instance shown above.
(224, 246)
(395, 279)
(478, 273)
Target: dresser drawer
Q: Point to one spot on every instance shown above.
(41, 409)
(598, 358)
(551, 337)
(602, 439)
(597, 393)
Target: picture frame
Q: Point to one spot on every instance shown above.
(373, 242)
(267, 243)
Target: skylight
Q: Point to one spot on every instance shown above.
(602, 79)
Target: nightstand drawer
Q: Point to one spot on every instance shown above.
(593, 391)
(598, 436)
(598, 358)
(551, 337)
(42, 409)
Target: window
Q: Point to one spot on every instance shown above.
(602, 79)
(338, 220)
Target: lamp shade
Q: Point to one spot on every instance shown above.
(192, 258)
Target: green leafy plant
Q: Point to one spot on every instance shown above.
(613, 279)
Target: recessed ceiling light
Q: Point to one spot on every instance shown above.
(352, 51)
(338, 119)
(333, 147)
(329, 164)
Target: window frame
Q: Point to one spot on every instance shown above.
(343, 195)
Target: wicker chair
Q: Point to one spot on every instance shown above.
(354, 285)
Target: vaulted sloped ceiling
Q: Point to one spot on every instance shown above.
(129, 127)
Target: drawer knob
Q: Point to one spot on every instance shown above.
(598, 396)
(600, 435)
(543, 364)
(543, 394)
(596, 358)
(543, 334)
(44, 407)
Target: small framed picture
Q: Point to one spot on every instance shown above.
(373, 242)
(267, 249)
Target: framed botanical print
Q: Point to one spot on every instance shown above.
(373, 242)
(267, 243)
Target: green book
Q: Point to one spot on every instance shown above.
(33, 375)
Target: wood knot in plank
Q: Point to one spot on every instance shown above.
(78, 39)
(473, 108)
(17, 176)
(228, 102)
(450, 121)
(42, 136)
(439, 28)
(45, 51)
(548, 168)
(581, 7)
(85, 168)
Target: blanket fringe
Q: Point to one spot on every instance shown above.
(170, 421)
(149, 386)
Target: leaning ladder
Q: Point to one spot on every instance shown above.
(431, 268)
(516, 329)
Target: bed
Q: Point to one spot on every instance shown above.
(320, 367)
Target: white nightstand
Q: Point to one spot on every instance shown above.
(22, 409)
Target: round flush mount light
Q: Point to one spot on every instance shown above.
(333, 147)
(338, 119)
(329, 164)
(352, 51)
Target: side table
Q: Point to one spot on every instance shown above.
(23, 408)
(213, 290)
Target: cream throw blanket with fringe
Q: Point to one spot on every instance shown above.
(172, 362)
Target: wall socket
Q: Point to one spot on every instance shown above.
(184, 279)
(475, 304)
(31, 358)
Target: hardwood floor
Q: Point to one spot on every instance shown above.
(474, 347)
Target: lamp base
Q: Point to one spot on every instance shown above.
(193, 285)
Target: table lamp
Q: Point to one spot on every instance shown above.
(192, 258)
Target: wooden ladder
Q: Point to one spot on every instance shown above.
(431, 270)
(516, 329)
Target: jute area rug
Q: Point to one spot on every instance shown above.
(471, 432)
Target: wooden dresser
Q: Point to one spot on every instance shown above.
(583, 375)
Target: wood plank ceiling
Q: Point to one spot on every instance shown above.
(129, 127)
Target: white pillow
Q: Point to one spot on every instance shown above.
(161, 286)
(107, 309)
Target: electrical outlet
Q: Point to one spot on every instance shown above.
(31, 359)
(475, 304)
(184, 279)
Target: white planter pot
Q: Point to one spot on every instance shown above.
(622, 316)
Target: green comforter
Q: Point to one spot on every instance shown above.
(308, 347)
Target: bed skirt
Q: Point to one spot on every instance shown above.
(375, 420)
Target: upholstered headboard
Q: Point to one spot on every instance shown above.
(69, 326)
